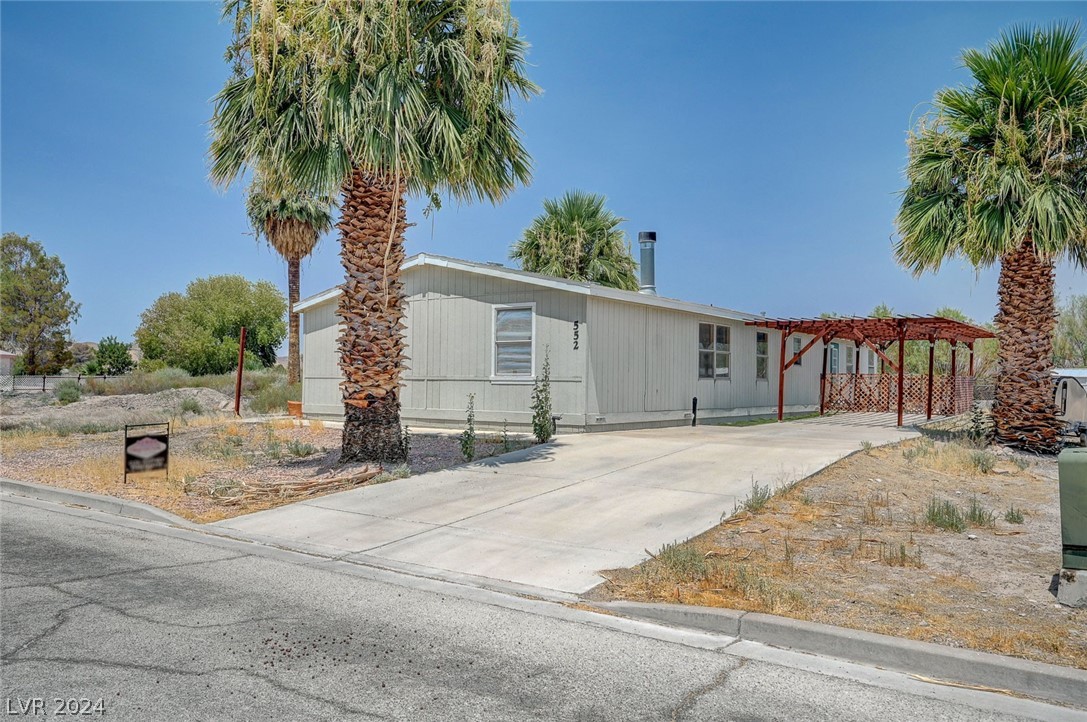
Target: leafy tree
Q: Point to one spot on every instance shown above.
(576, 237)
(111, 358)
(36, 310)
(82, 352)
(916, 352)
(292, 221)
(1070, 341)
(375, 99)
(997, 173)
(198, 331)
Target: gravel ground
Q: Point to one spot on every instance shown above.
(211, 458)
(36, 409)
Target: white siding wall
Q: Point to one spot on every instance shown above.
(635, 364)
(644, 368)
(449, 336)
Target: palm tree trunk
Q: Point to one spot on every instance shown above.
(1024, 412)
(371, 309)
(294, 365)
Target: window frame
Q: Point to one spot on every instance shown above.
(766, 368)
(834, 362)
(851, 360)
(512, 378)
(873, 363)
(798, 344)
(712, 351)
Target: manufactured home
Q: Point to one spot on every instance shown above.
(618, 359)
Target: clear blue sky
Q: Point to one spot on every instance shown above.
(763, 142)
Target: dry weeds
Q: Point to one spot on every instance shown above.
(850, 547)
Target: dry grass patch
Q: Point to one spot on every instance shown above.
(855, 546)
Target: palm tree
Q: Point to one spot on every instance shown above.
(292, 222)
(576, 237)
(998, 173)
(375, 99)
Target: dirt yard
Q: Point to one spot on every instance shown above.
(219, 467)
(860, 545)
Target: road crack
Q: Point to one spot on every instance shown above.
(695, 694)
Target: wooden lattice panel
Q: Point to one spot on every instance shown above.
(879, 393)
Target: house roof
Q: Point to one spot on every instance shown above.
(536, 279)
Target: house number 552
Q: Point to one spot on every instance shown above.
(577, 325)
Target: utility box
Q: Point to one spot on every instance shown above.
(1072, 467)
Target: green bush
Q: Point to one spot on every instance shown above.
(978, 515)
(191, 405)
(982, 461)
(542, 425)
(149, 365)
(300, 448)
(468, 436)
(942, 514)
(68, 391)
(1013, 515)
(683, 561)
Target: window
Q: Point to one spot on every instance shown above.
(513, 327)
(762, 356)
(834, 350)
(714, 351)
(872, 361)
(850, 360)
(796, 349)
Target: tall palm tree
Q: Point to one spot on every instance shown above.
(576, 237)
(292, 222)
(375, 99)
(998, 173)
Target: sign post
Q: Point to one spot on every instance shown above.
(238, 383)
(147, 448)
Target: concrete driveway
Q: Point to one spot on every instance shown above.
(553, 515)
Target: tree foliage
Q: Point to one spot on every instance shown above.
(36, 310)
(1070, 340)
(111, 358)
(198, 330)
(577, 237)
(1002, 159)
(916, 352)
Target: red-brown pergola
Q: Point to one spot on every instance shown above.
(877, 334)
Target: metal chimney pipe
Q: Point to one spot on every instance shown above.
(647, 240)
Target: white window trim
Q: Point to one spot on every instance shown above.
(759, 355)
(509, 378)
(713, 340)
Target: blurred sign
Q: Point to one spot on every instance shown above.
(147, 448)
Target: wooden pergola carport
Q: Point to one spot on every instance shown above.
(877, 334)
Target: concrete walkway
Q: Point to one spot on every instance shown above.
(553, 515)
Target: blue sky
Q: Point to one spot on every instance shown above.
(764, 143)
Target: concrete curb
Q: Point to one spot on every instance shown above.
(99, 502)
(1064, 685)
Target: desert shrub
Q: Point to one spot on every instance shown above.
(683, 562)
(542, 424)
(1013, 515)
(273, 397)
(866, 447)
(982, 461)
(978, 515)
(942, 514)
(191, 406)
(300, 448)
(67, 391)
(758, 498)
(397, 472)
(468, 436)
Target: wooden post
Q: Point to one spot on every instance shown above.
(781, 377)
(931, 358)
(823, 381)
(970, 346)
(954, 360)
(901, 367)
(238, 382)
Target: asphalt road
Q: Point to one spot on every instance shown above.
(172, 624)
